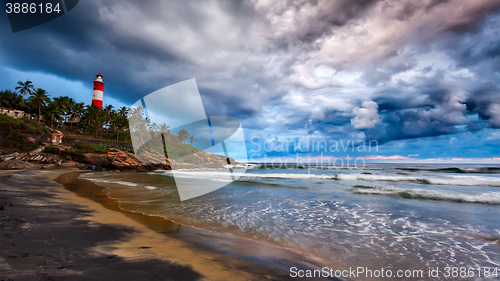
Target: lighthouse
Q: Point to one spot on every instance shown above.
(98, 91)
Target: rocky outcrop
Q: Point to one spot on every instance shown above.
(64, 157)
(37, 160)
(120, 160)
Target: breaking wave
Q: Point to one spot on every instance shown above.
(452, 180)
(441, 195)
(456, 170)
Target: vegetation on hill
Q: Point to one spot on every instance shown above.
(82, 147)
(16, 142)
(105, 123)
(22, 124)
(91, 121)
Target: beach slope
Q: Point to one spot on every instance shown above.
(50, 233)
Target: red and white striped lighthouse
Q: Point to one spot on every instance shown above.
(98, 91)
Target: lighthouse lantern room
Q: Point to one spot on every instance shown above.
(98, 91)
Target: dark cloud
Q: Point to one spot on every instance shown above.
(472, 19)
(313, 19)
(433, 69)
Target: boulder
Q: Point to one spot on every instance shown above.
(96, 159)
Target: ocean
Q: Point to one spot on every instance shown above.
(390, 216)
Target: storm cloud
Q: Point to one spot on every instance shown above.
(392, 71)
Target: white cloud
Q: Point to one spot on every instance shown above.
(494, 112)
(367, 116)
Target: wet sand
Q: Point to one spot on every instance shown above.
(49, 232)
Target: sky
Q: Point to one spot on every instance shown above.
(419, 81)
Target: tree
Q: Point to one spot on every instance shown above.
(154, 128)
(64, 105)
(92, 119)
(191, 139)
(182, 135)
(123, 111)
(54, 113)
(120, 121)
(165, 129)
(138, 123)
(6, 98)
(25, 88)
(77, 110)
(42, 98)
(108, 114)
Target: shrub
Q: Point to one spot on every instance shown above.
(51, 149)
(21, 124)
(15, 141)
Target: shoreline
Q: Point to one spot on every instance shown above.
(137, 245)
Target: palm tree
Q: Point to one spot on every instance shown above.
(182, 135)
(6, 97)
(32, 106)
(63, 103)
(154, 128)
(138, 122)
(54, 113)
(92, 119)
(165, 129)
(191, 140)
(19, 102)
(41, 98)
(108, 114)
(120, 120)
(123, 111)
(25, 87)
(76, 112)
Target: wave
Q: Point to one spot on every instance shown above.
(492, 198)
(253, 183)
(454, 180)
(456, 170)
(97, 181)
(215, 175)
(120, 182)
(457, 180)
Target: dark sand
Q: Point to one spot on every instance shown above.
(50, 233)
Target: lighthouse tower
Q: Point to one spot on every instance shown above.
(98, 91)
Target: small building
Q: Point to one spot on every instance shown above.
(57, 138)
(12, 112)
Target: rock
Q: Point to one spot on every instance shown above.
(96, 159)
(18, 165)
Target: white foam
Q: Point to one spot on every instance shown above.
(458, 180)
(97, 181)
(214, 175)
(486, 197)
(240, 166)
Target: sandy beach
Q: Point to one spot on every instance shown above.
(50, 233)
